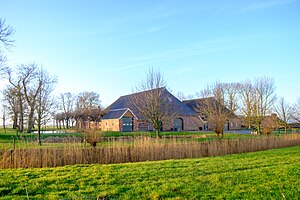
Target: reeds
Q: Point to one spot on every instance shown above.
(120, 150)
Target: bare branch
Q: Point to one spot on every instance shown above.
(6, 33)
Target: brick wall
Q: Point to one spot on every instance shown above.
(110, 125)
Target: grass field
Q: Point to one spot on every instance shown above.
(271, 174)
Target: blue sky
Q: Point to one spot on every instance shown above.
(108, 46)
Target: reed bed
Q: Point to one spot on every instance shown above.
(136, 150)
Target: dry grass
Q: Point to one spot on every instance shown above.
(139, 149)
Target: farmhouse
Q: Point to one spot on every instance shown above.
(123, 115)
(233, 123)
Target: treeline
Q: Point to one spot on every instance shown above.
(28, 98)
(253, 100)
(85, 106)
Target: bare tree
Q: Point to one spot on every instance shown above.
(67, 102)
(31, 83)
(264, 99)
(45, 102)
(212, 107)
(15, 96)
(284, 113)
(87, 100)
(6, 32)
(22, 94)
(296, 111)
(4, 115)
(246, 91)
(181, 96)
(10, 97)
(231, 96)
(152, 102)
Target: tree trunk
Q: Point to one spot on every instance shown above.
(30, 120)
(67, 123)
(39, 132)
(285, 130)
(15, 121)
(21, 112)
(157, 133)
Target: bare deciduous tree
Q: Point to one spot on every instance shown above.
(296, 111)
(4, 116)
(231, 96)
(23, 91)
(181, 96)
(264, 99)
(10, 97)
(152, 102)
(246, 91)
(15, 96)
(212, 106)
(45, 102)
(31, 83)
(87, 100)
(67, 102)
(6, 32)
(284, 113)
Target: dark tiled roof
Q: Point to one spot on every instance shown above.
(126, 102)
(195, 104)
(115, 114)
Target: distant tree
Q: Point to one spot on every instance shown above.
(87, 100)
(246, 93)
(181, 96)
(60, 120)
(296, 111)
(152, 102)
(10, 98)
(213, 106)
(25, 84)
(32, 83)
(45, 101)
(4, 115)
(231, 96)
(85, 103)
(6, 33)
(264, 99)
(14, 95)
(67, 103)
(284, 113)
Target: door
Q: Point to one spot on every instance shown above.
(127, 124)
(178, 124)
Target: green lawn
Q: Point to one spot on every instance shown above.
(271, 174)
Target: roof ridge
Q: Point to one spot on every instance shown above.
(134, 93)
(117, 109)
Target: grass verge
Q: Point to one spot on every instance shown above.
(271, 174)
